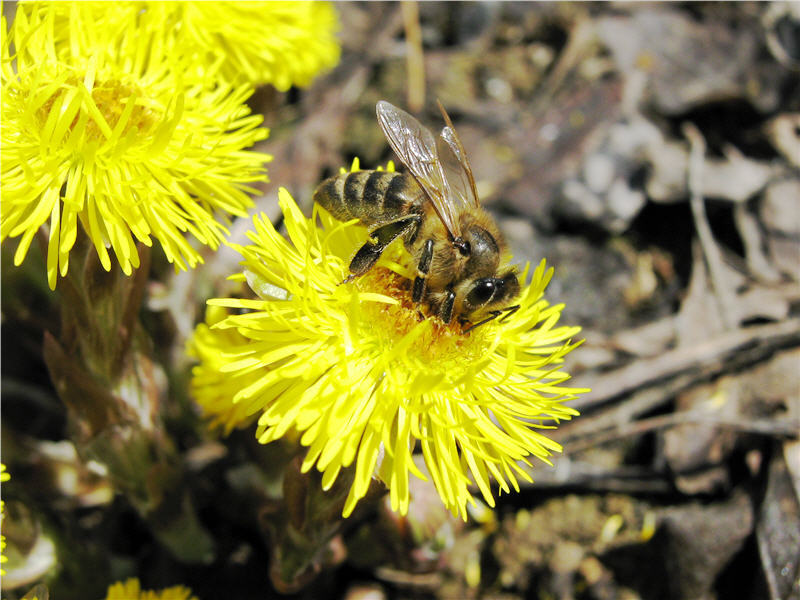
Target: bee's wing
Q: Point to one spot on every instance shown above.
(457, 171)
(456, 165)
(415, 145)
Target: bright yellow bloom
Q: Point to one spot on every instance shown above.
(4, 476)
(3, 557)
(353, 371)
(101, 126)
(131, 590)
(280, 43)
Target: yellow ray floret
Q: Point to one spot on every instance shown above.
(131, 590)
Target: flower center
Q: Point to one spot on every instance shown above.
(110, 99)
(439, 342)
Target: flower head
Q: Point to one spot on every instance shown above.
(100, 126)
(4, 476)
(356, 372)
(131, 590)
(280, 43)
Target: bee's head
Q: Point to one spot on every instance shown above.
(490, 292)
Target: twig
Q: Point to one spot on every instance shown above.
(750, 231)
(648, 383)
(768, 427)
(569, 472)
(722, 291)
(580, 41)
(432, 581)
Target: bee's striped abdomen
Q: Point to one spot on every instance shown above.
(371, 196)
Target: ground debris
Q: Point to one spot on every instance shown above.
(650, 153)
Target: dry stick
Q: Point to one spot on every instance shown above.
(750, 231)
(573, 472)
(415, 62)
(581, 39)
(648, 383)
(769, 427)
(722, 291)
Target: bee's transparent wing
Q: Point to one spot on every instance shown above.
(458, 171)
(459, 178)
(416, 147)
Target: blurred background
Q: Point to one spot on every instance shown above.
(651, 153)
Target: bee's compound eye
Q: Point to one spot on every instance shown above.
(481, 292)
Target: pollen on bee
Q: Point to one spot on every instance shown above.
(438, 341)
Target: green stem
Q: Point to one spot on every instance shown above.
(102, 367)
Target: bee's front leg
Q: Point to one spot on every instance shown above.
(422, 271)
(446, 309)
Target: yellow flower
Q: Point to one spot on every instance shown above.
(4, 476)
(131, 590)
(100, 126)
(353, 371)
(280, 43)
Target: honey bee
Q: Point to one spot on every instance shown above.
(455, 245)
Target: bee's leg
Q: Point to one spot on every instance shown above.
(422, 271)
(446, 309)
(380, 237)
(492, 316)
(509, 310)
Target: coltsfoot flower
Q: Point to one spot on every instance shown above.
(131, 590)
(356, 372)
(279, 43)
(100, 126)
(4, 476)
